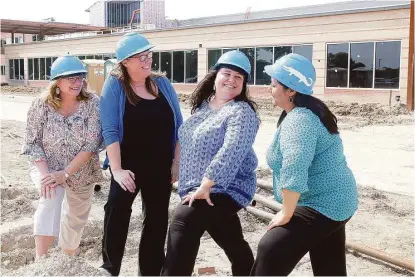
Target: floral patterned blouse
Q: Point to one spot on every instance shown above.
(56, 139)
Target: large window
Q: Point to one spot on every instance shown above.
(280, 51)
(39, 68)
(304, 50)
(42, 69)
(259, 57)
(36, 69)
(224, 50)
(155, 65)
(387, 64)
(361, 65)
(21, 69)
(364, 65)
(263, 57)
(16, 69)
(165, 64)
(11, 69)
(337, 65)
(178, 67)
(250, 53)
(213, 57)
(30, 65)
(191, 66)
(48, 66)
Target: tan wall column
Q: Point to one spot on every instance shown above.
(319, 62)
(201, 63)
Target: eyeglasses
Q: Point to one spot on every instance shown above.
(75, 79)
(143, 58)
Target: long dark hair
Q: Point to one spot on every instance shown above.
(204, 90)
(315, 105)
(122, 74)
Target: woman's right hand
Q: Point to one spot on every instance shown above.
(47, 189)
(125, 178)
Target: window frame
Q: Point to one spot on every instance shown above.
(374, 65)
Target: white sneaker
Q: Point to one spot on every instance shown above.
(104, 272)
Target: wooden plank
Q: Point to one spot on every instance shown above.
(410, 83)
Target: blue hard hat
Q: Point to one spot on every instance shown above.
(235, 58)
(131, 44)
(294, 71)
(66, 65)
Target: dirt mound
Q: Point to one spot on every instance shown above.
(22, 89)
(365, 109)
(58, 264)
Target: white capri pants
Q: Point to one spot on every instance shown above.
(64, 215)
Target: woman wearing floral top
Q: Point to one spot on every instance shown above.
(62, 139)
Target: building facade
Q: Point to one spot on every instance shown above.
(112, 13)
(152, 13)
(359, 49)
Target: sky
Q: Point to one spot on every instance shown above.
(74, 11)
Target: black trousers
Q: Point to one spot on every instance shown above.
(220, 221)
(155, 196)
(281, 248)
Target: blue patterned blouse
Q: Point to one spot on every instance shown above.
(306, 158)
(217, 144)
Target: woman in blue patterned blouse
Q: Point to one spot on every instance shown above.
(217, 168)
(311, 178)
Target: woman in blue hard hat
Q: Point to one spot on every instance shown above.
(140, 116)
(311, 178)
(217, 168)
(63, 137)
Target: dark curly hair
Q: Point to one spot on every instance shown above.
(204, 90)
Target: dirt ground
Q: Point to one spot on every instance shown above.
(384, 220)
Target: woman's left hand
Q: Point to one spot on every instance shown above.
(174, 171)
(278, 220)
(202, 192)
(54, 178)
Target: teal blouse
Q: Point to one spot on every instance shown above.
(306, 158)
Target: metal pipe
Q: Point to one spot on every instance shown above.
(380, 255)
(269, 203)
(374, 253)
(264, 185)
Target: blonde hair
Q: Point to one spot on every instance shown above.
(53, 99)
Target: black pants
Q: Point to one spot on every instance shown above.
(220, 221)
(155, 195)
(281, 248)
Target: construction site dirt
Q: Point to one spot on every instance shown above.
(379, 147)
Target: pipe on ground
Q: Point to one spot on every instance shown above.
(269, 203)
(264, 185)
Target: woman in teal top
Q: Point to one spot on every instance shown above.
(311, 178)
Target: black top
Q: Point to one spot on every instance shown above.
(147, 141)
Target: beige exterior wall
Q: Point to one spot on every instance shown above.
(318, 31)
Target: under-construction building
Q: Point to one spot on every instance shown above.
(148, 14)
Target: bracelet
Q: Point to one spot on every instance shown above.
(176, 162)
(66, 174)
